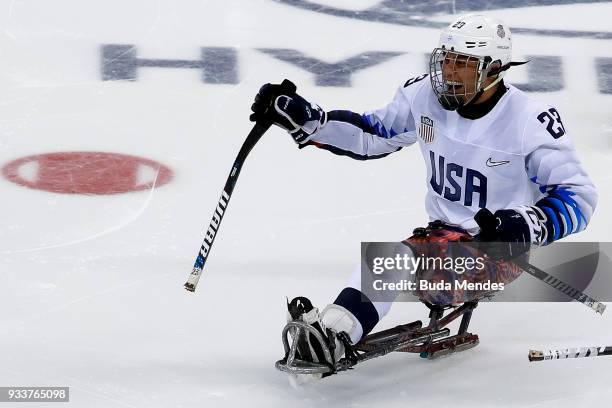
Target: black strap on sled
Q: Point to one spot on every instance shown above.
(349, 352)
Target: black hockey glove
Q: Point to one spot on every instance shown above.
(289, 111)
(504, 235)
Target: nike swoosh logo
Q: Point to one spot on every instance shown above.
(492, 163)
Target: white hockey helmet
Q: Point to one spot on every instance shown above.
(484, 41)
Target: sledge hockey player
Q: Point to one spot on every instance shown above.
(500, 167)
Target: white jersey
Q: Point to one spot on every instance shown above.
(518, 156)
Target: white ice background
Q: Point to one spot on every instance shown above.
(91, 290)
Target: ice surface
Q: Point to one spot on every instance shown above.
(91, 294)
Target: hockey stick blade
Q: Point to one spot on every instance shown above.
(193, 279)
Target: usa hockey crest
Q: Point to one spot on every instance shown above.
(427, 129)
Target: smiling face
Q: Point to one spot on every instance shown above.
(457, 78)
(460, 75)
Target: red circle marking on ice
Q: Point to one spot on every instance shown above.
(87, 173)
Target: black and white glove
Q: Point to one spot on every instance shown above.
(507, 233)
(291, 112)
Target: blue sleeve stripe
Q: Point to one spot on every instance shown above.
(569, 210)
(565, 196)
(353, 118)
(542, 188)
(348, 153)
(551, 223)
(367, 123)
(379, 129)
(562, 212)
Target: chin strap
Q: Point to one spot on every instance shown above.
(491, 85)
(497, 80)
(505, 68)
(499, 71)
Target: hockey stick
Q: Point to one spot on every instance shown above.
(561, 286)
(579, 352)
(286, 88)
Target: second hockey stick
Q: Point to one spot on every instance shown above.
(578, 352)
(286, 88)
(561, 286)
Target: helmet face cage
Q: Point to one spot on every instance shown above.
(451, 80)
